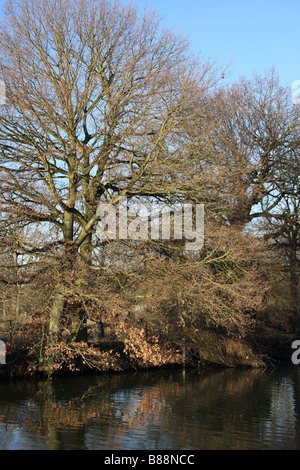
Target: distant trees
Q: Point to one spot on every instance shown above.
(255, 153)
(283, 227)
(254, 143)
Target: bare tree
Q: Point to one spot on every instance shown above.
(97, 100)
(282, 228)
(256, 133)
(255, 153)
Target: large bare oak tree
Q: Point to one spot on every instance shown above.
(98, 103)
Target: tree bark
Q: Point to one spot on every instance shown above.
(56, 314)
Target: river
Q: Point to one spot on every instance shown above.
(154, 410)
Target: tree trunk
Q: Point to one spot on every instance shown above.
(59, 298)
(47, 356)
(56, 314)
(77, 320)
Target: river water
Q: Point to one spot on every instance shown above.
(156, 410)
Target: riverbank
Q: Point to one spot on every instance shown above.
(267, 346)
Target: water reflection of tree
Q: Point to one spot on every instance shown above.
(217, 410)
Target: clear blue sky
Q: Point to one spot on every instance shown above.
(252, 35)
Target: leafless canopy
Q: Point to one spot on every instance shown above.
(97, 101)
